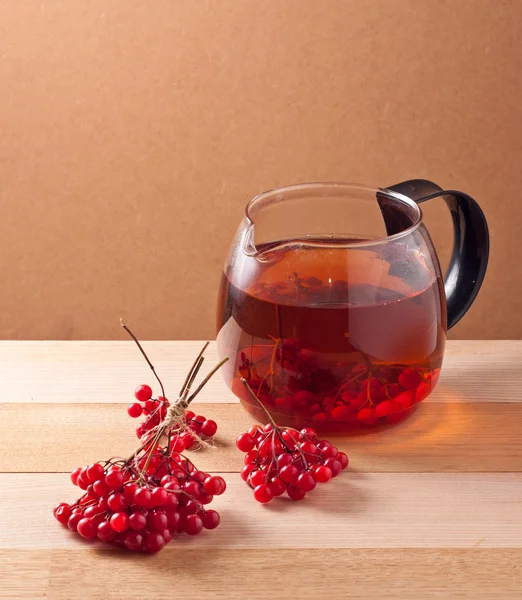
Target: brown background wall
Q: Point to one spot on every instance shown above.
(132, 134)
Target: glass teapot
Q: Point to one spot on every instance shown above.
(332, 305)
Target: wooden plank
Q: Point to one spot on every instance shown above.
(292, 573)
(438, 438)
(73, 372)
(24, 574)
(356, 510)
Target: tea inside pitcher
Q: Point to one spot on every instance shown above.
(337, 340)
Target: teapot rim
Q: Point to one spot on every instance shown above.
(275, 195)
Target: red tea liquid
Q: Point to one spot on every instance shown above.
(333, 339)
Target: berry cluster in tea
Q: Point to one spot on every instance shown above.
(155, 411)
(290, 383)
(141, 502)
(281, 460)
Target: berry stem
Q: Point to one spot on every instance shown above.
(251, 392)
(144, 355)
(194, 365)
(205, 381)
(193, 376)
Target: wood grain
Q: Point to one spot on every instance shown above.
(439, 437)
(293, 573)
(357, 510)
(24, 574)
(77, 372)
(429, 509)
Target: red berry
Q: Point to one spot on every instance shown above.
(177, 444)
(192, 525)
(254, 431)
(75, 474)
(129, 492)
(423, 391)
(95, 472)
(309, 434)
(210, 519)
(153, 542)
(405, 399)
(306, 482)
(341, 413)
(151, 405)
(277, 487)
(159, 497)
(245, 442)
(167, 536)
(157, 521)
(189, 415)
(100, 488)
(119, 522)
(334, 465)
(137, 521)
(82, 482)
(246, 470)
(409, 379)
(94, 511)
(304, 398)
(367, 416)
(173, 519)
(172, 501)
(105, 532)
(289, 474)
(87, 528)
(209, 428)
(295, 493)
(386, 408)
(343, 459)
(329, 451)
(133, 541)
(322, 474)
(73, 521)
(116, 502)
(263, 493)
(188, 439)
(257, 478)
(62, 513)
(114, 479)
(192, 488)
(284, 459)
(214, 485)
(143, 393)
(134, 410)
(309, 448)
(143, 497)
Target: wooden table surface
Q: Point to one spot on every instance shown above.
(430, 509)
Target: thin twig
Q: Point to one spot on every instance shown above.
(192, 377)
(205, 381)
(194, 365)
(251, 392)
(144, 354)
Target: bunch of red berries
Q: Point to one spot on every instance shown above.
(141, 510)
(155, 410)
(141, 502)
(282, 459)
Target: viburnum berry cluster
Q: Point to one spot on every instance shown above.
(281, 460)
(141, 502)
(155, 410)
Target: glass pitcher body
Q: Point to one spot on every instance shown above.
(332, 307)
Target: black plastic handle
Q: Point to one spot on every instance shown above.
(469, 258)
